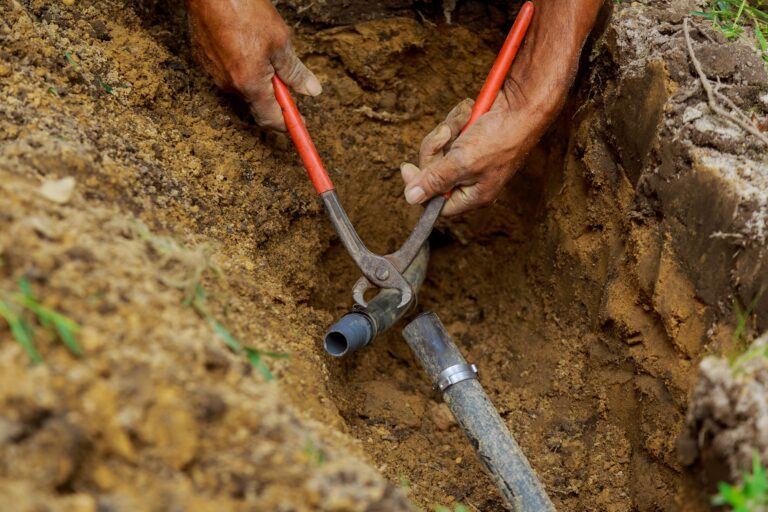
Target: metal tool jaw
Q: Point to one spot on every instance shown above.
(403, 257)
(379, 270)
(387, 271)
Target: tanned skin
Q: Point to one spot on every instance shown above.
(484, 158)
(243, 43)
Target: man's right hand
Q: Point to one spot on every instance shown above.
(242, 44)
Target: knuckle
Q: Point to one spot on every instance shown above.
(470, 197)
(241, 78)
(436, 182)
(293, 72)
(430, 144)
(281, 38)
(465, 107)
(461, 160)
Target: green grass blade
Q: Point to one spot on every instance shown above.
(707, 15)
(230, 340)
(761, 39)
(275, 355)
(67, 337)
(23, 334)
(741, 11)
(104, 85)
(71, 61)
(26, 288)
(254, 356)
(20, 332)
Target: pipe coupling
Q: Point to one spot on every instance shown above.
(454, 374)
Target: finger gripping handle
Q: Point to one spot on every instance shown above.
(304, 145)
(500, 69)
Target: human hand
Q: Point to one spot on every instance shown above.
(242, 44)
(476, 164)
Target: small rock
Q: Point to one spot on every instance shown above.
(80, 503)
(104, 478)
(68, 2)
(441, 416)
(58, 191)
(9, 429)
(171, 429)
(100, 30)
(5, 70)
(91, 339)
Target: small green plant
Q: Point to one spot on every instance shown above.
(742, 352)
(314, 453)
(733, 17)
(254, 355)
(458, 507)
(185, 269)
(405, 484)
(71, 61)
(742, 318)
(75, 66)
(19, 309)
(739, 364)
(751, 495)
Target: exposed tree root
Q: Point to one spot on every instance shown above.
(712, 94)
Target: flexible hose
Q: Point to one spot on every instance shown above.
(487, 433)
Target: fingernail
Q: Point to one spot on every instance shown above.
(313, 86)
(415, 195)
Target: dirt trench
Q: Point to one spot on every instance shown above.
(577, 293)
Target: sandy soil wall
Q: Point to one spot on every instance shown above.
(587, 294)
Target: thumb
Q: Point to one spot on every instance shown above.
(439, 178)
(293, 72)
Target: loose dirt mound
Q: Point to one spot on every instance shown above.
(728, 419)
(585, 295)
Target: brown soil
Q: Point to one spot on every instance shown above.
(728, 418)
(570, 293)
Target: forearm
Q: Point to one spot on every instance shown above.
(547, 63)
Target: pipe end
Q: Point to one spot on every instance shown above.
(352, 332)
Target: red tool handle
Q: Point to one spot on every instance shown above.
(500, 68)
(304, 145)
(501, 65)
(491, 87)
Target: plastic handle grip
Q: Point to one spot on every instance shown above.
(501, 65)
(304, 145)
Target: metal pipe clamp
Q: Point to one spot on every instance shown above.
(454, 374)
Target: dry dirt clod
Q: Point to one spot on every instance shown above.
(59, 191)
(727, 421)
(441, 416)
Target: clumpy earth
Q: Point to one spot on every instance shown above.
(727, 424)
(587, 295)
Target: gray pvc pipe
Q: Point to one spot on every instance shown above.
(360, 326)
(505, 461)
